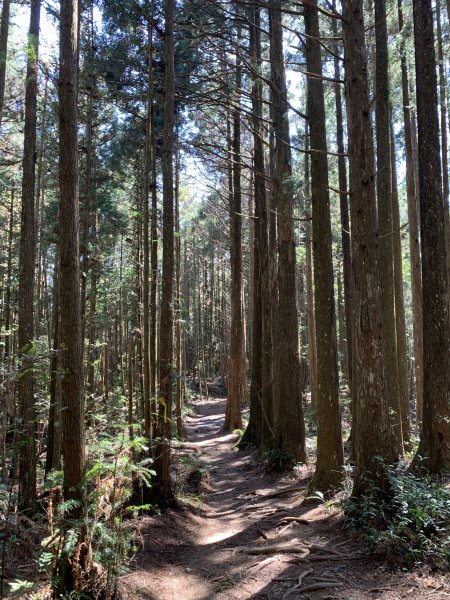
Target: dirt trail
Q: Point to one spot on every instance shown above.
(201, 552)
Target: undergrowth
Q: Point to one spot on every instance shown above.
(103, 530)
(409, 525)
(278, 460)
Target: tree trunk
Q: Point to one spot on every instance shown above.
(162, 461)
(402, 344)
(345, 217)
(53, 456)
(25, 387)
(260, 430)
(178, 307)
(237, 380)
(146, 241)
(444, 131)
(71, 343)
(154, 257)
(8, 408)
(384, 204)
(290, 428)
(4, 30)
(435, 436)
(369, 386)
(414, 227)
(330, 456)
(73, 444)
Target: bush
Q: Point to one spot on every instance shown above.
(278, 460)
(103, 531)
(410, 524)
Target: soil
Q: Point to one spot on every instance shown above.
(224, 541)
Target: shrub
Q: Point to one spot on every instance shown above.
(410, 524)
(278, 460)
(112, 472)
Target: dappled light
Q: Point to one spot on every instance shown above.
(224, 299)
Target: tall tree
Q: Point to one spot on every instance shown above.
(290, 426)
(384, 205)
(330, 456)
(400, 319)
(414, 222)
(27, 472)
(146, 236)
(369, 385)
(71, 343)
(237, 377)
(253, 433)
(435, 436)
(163, 452)
(344, 210)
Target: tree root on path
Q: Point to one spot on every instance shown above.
(260, 566)
(282, 492)
(320, 557)
(292, 520)
(275, 550)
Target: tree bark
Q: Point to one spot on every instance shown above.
(163, 451)
(237, 377)
(260, 430)
(414, 227)
(384, 204)
(27, 260)
(290, 426)
(4, 30)
(146, 240)
(402, 344)
(330, 455)
(369, 385)
(435, 437)
(345, 217)
(71, 343)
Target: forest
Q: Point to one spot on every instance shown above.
(224, 299)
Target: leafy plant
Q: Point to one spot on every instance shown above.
(19, 587)
(110, 479)
(410, 523)
(278, 460)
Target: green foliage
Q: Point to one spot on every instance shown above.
(278, 460)
(19, 587)
(223, 585)
(112, 475)
(410, 524)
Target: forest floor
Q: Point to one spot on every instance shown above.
(235, 537)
